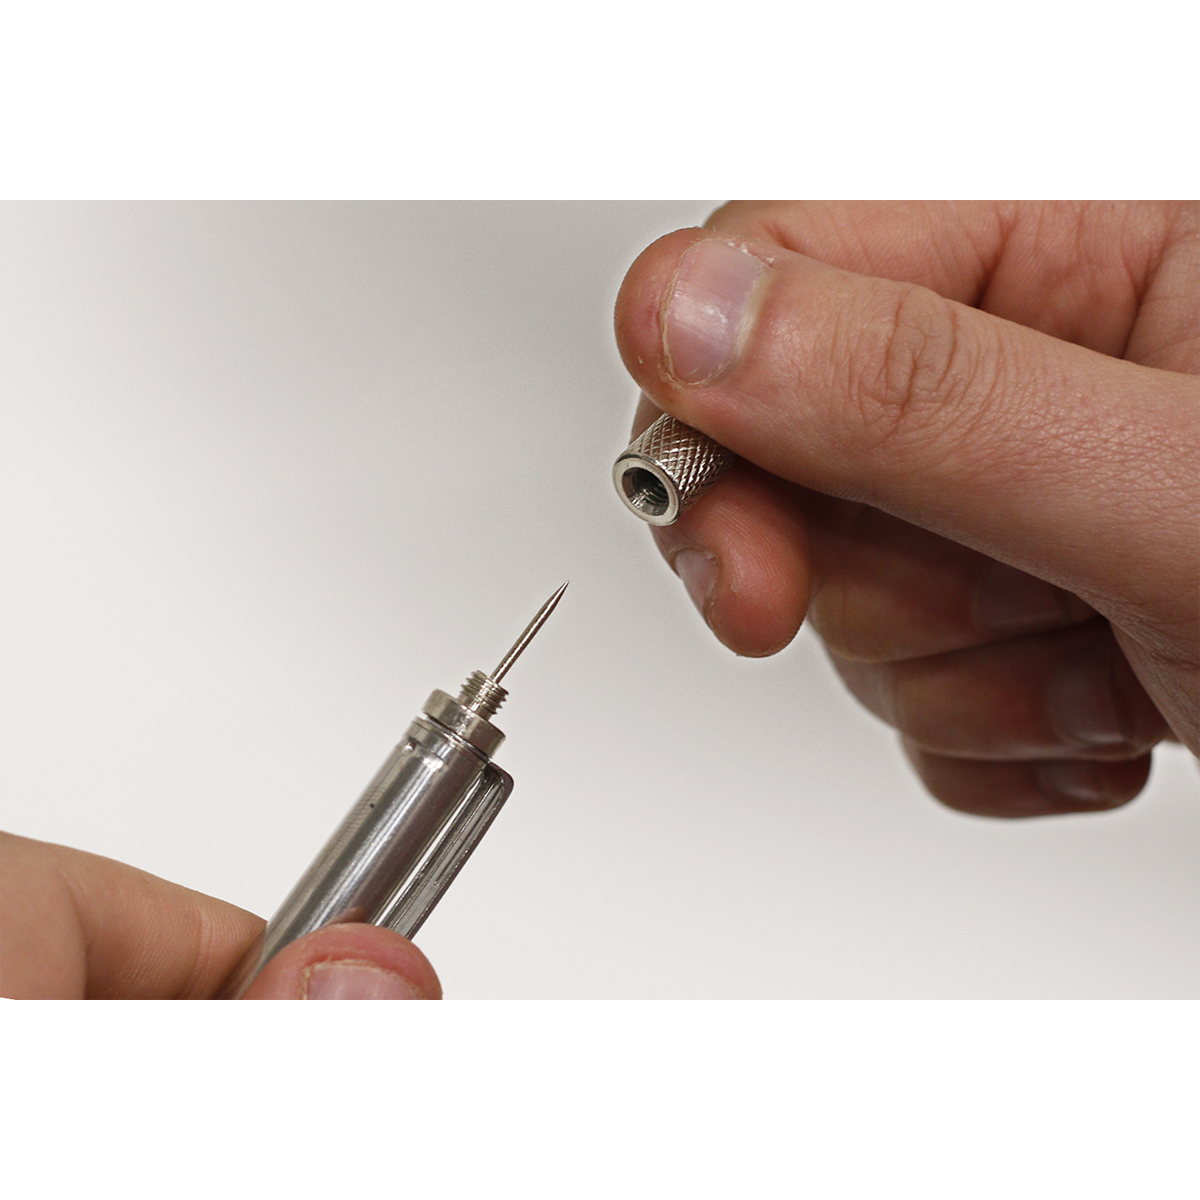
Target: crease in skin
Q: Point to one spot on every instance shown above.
(136, 971)
(1000, 236)
(204, 942)
(121, 933)
(854, 249)
(1134, 280)
(81, 929)
(1182, 314)
(1004, 723)
(1095, 273)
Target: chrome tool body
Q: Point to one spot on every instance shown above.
(661, 473)
(401, 845)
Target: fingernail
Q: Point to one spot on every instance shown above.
(1072, 778)
(710, 310)
(355, 981)
(698, 570)
(1010, 600)
(1081, 702)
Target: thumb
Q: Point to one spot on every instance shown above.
(347, 962)
(1065, 463)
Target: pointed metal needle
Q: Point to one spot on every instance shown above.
(525, 638)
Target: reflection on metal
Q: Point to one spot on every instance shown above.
(667, 469)
(401, 845)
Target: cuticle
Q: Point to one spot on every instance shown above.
(676, 551)
(306, 974)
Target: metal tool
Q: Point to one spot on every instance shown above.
(401, 845)
(668, 468)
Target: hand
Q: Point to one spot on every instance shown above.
(75, 926)
(971, 444)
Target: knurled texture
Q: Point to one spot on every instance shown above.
(691, 459)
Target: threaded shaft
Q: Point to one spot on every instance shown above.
(482, 695)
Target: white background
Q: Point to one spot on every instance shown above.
(254, 98)
(273, 472)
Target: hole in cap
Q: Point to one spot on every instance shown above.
(645, 491)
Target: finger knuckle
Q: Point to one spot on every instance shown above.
(916, 371)
(848, 627)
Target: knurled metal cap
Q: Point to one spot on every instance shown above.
(668, 468)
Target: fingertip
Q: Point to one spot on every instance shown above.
(638, 314)
(348, 962)
(742, 554)
(1023, 789)
(1090, 784)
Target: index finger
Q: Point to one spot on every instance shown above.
(1070, 465)
(1076, 271)
(78, 926)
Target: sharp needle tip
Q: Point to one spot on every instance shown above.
(538, 621)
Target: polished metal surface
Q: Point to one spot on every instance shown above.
(456, 716)
(411, 831)
(668, 468)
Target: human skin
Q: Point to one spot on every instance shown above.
(970, 444)
(75, 926)
(970, 437)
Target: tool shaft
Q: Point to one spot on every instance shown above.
(404, 841)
